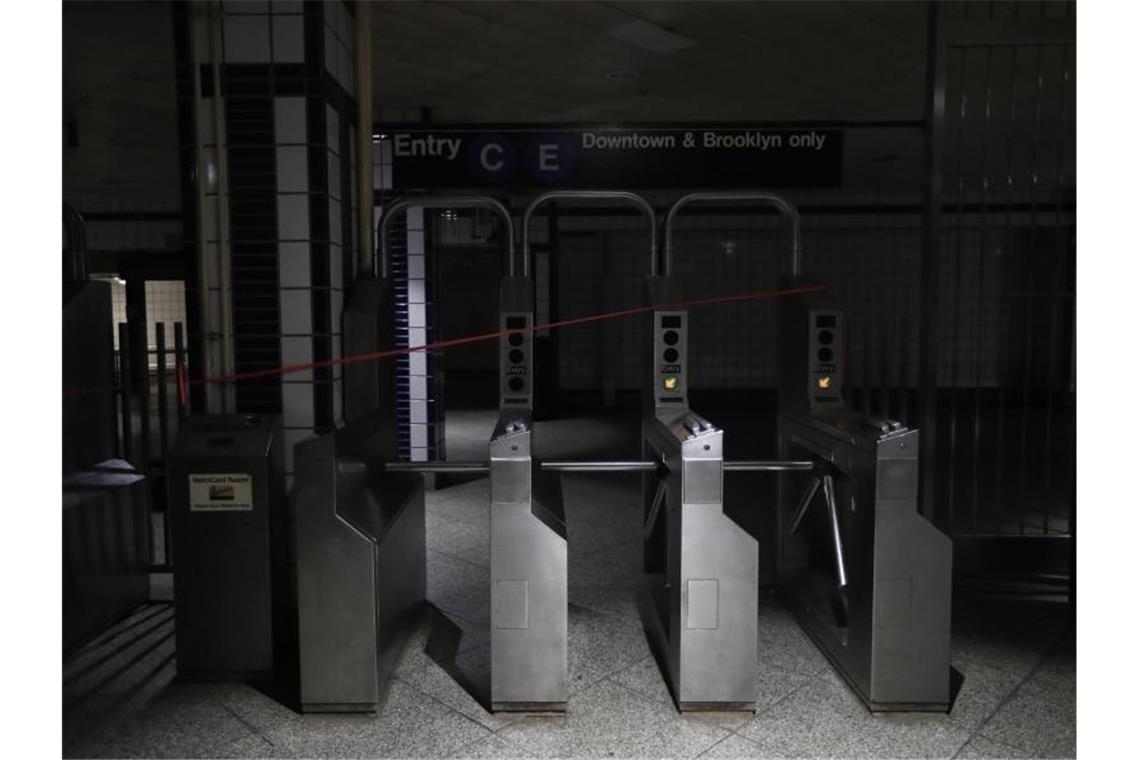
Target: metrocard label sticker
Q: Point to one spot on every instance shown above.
(223, 492)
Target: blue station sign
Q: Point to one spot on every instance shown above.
(613, 157)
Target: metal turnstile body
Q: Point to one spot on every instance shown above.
(529, 602)
(360, 531)
(866, 575)
(701, 567)
(361, 568)
(226, 500)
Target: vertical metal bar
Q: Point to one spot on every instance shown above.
(1003, 324)
(141, 378)
(160, 375)
(904, 370)
(1027, 377)
(180, 366)
(865, 329)
(952, 479)
(980, 303)
(1058, 286)
(884, 367)
(934, 118)
(836, 533)
(127, 447)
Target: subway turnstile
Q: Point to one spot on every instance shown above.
(360, 531)
(700, 566)
(529, 603)
(865, 574)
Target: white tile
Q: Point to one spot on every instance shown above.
(417, 388)
(288, 6)
(418, 414)
(416, 291)
(330, 49)
(417, 314)
(417, 363)
(417, 336)
(294, 351)
(416, 267)
(294, 265)
(297, 404)
(334, 175)
(336, 305)
(289, 120)
(419, 436)
(288, 39)
(332, 125)
(296, 312)
(418, 454)
(336, 276)
(335, 223)
(246, 39)
(293, 217)
(293, 169)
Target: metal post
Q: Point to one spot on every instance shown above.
(140, 376)
(935, 126)
(126, 447)
(160, 375)
(836, 533)
(180, 366)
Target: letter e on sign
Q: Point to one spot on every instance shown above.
(549, 158)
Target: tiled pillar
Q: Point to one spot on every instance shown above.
(287, 86)
(419, 412)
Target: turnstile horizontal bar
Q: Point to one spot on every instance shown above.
(617, 466)
(760, 465)
(438, 466)
(743, 465)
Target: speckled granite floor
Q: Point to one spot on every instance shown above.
(1018, 698)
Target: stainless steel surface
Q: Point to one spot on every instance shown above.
(361, 566)
(760, 465)
(887, 628)
(836, 533)
(601, 195)
(701, 605)
(438, 466)
(529, 613)
(230, 574)
(610, 466)
(786, 208)
(701, 567)
(442, 201)
(805, 502)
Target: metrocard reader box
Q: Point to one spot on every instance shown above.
(226, 486)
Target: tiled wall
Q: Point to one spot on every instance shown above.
(289, 147)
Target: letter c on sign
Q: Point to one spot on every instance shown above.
(484, 157)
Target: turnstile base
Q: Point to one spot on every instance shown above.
(529, 707)
(808, 623)
(653, 607)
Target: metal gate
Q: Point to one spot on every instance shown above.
(1002, 407)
